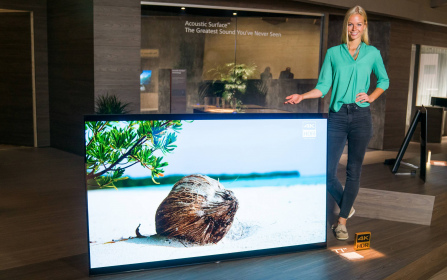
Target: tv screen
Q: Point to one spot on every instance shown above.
(167, 190)
(145, 79)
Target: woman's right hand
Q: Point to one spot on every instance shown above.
(293, 99)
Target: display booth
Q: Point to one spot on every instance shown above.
(205, 58)
(169, 190)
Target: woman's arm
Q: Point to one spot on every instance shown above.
(323, 85)
(363, 97)
(383, 82)
(297, 98)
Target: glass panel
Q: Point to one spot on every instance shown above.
(282, 56)
(205, 60)
(432, 74)
(172, 40)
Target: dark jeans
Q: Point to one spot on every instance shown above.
(354, 124)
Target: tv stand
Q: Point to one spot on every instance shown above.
(419, 117)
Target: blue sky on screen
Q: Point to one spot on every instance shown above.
(145, 77)
(245, 146)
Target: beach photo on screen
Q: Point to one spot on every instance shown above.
(164, 189)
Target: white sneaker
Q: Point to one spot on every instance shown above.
(340, 232)
(351, 213)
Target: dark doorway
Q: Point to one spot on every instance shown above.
(16, 83)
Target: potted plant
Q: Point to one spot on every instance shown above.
(234, 77)
(110, 104)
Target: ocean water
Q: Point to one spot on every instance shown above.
(274, 182)
(255, 182)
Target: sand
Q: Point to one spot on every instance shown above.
(268, 217)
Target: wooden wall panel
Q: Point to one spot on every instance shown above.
(94, 49)
(117, 33)
(39, 16)
(70, 37)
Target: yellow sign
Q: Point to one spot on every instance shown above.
(362, 240)
(149, 53)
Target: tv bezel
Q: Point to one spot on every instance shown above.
(208, 258)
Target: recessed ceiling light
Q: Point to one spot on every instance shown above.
(234, 14)
(183, 8)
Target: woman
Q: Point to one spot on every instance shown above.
(347, 69)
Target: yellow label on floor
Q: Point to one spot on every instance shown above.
(362, 240)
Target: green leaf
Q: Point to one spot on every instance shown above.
(118, 173)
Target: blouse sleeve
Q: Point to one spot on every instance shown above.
(379, 70)
(325, 78)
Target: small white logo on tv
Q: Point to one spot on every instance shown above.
(309, 129)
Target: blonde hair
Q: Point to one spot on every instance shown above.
(355, 10)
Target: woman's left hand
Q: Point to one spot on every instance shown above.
(362, 97)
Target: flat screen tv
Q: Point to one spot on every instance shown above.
(169, 190)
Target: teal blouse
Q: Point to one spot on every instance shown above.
(348, 77)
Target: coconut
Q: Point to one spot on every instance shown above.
(198, 209)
